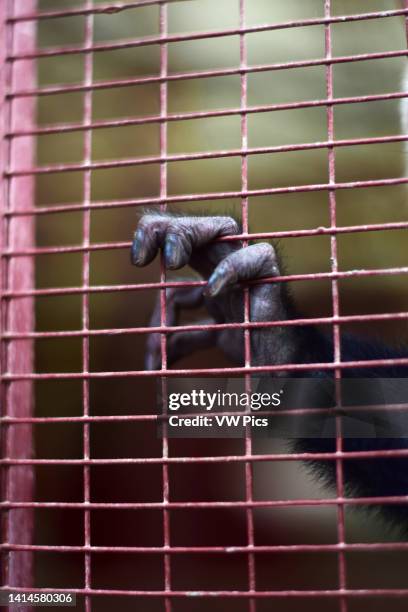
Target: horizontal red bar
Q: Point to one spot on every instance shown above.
(142, 161)
(167, 329)
(5, 420)
(156, 418)
(108, 8)
(318, 231)
(200, 197)
(177, 550)
(377, 454)
(174, 38)
(228, 112)
(295, 594)
(48, 292)
(237, 505)
(65, 88)
(297, 367)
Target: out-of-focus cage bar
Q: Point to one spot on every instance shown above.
(17, 44)
(17, 482)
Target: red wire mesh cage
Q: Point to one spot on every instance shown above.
(286, 114)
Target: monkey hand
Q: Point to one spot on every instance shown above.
(225, 265)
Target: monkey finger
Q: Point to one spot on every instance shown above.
(148, 238)
(178, 236)
(252, 262)
(176, 299)
(177, 250)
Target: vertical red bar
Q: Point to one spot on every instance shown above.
(86, 230)
(18, 275)
(335, 300)
(247, 337)
(4, 162)
(164, 60)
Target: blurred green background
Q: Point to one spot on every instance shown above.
(274, 480)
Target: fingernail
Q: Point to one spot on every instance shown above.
(215, 284)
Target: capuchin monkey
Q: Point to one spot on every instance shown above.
(226, 266)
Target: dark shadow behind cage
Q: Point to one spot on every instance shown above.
(301, 138)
